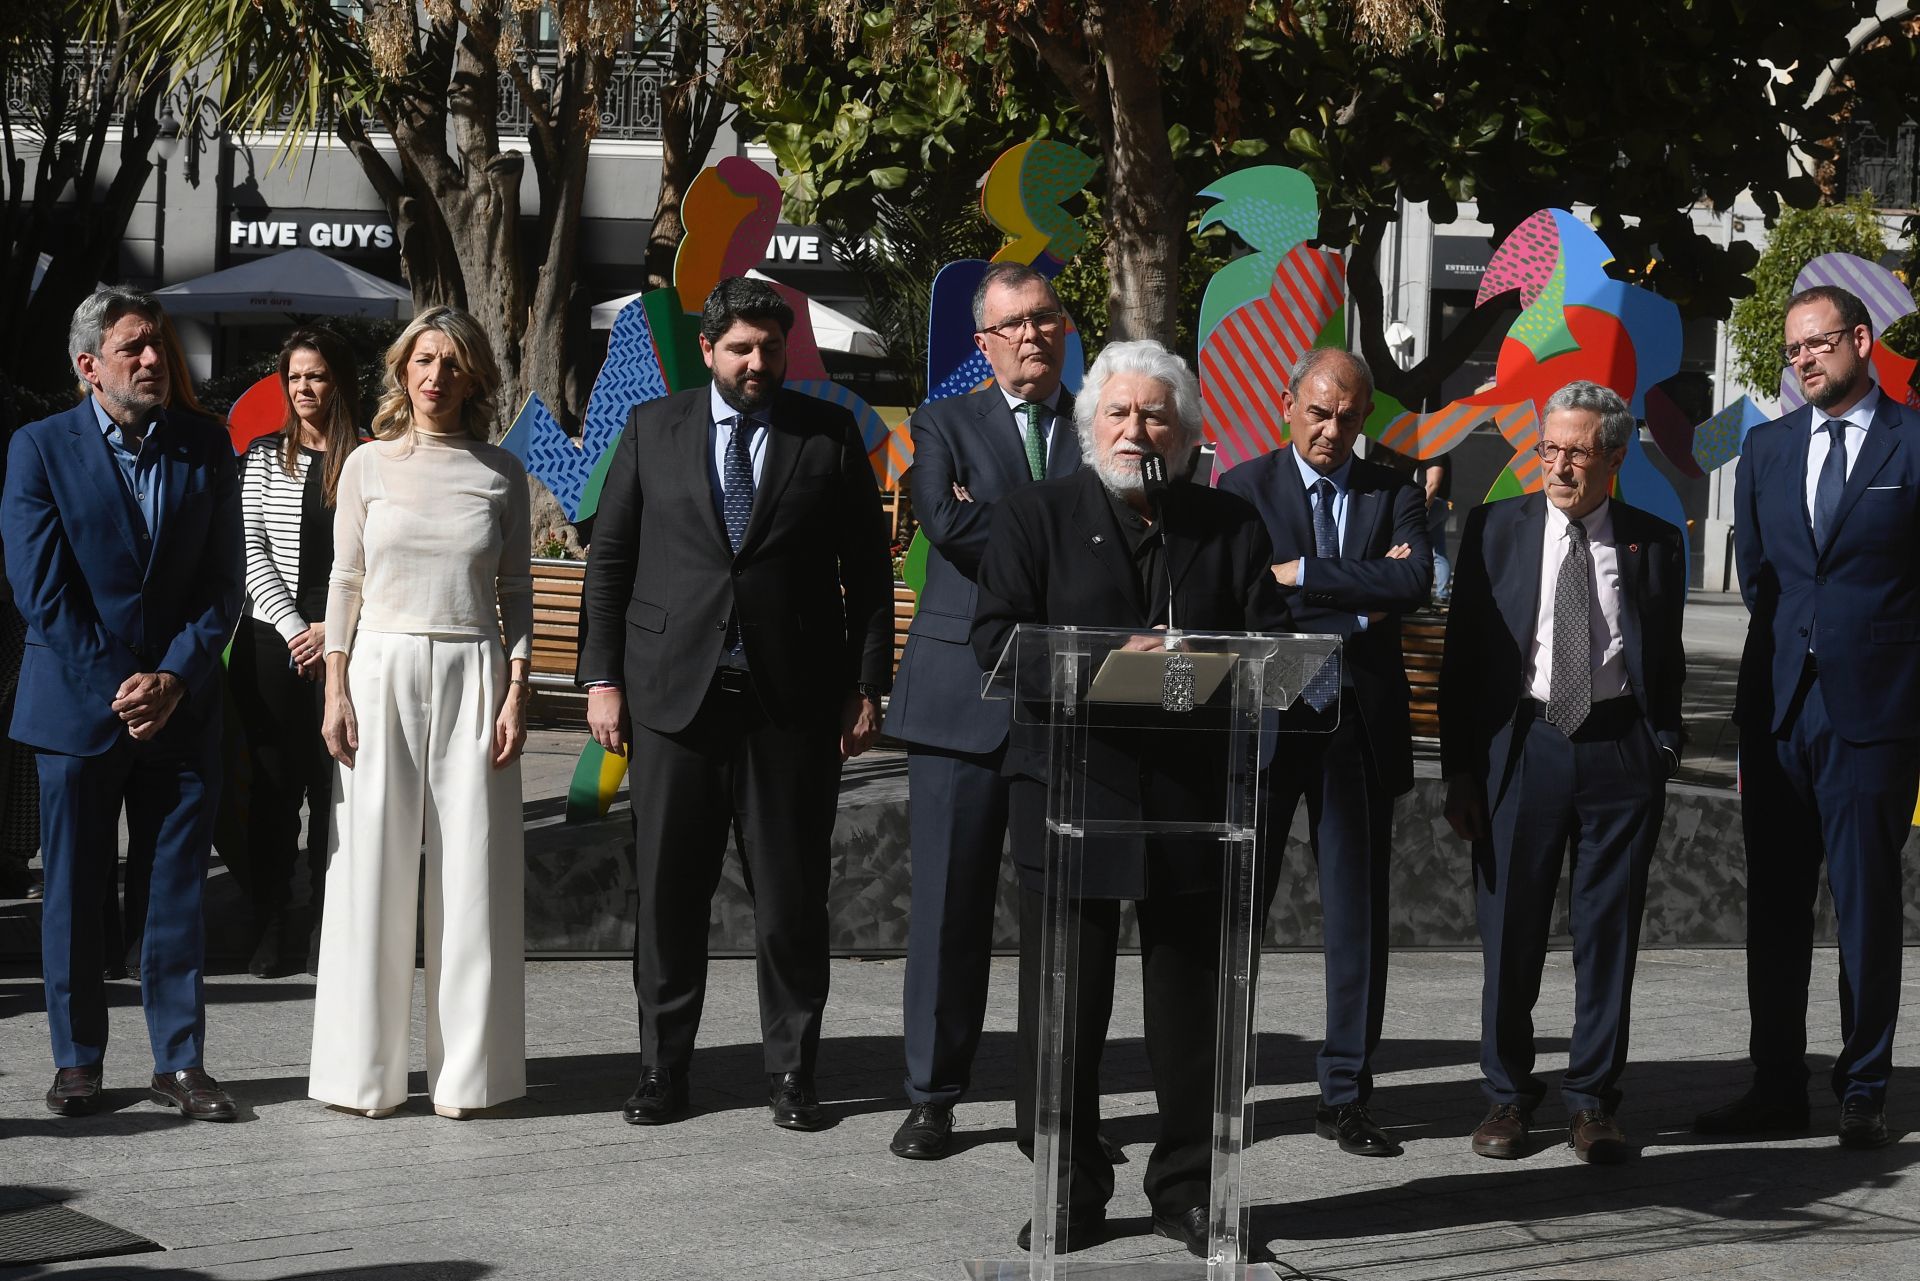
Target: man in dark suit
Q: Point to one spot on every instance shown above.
(721, 646)
(123, 544)
(1828, 503)
(1560, 722)
(1092, 550)
(1351, 554)
(969, 452)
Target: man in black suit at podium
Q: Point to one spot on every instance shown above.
(1094, 549)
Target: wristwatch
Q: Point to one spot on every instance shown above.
(867, 690)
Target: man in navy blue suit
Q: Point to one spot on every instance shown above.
(1559, 725)
(1351, 555)
(969, 452)
(123, 547)
(1827, 532)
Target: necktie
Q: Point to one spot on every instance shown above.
(1570, 681)
(1324, 688)
(1036, 441)
(736, 481)
(1833, 481)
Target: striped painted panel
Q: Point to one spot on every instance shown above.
(1244, 365)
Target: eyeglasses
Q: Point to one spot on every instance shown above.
(1045, 323)
(1550, 453)
(1818, 345)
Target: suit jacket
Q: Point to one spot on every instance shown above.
(1057, 556)
(811, 585)
(1862, 590)
(96, 610)
(1383, 511)
(1490, 629)
(967, 441)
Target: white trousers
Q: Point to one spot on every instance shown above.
(423, 780)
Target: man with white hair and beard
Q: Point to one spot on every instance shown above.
(1096, 550)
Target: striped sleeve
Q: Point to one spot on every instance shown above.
(270, 512)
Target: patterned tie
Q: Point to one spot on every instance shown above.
(1324, 688)
(1570, 681)
(736, 480)
(1833, 481)
(1036, 441)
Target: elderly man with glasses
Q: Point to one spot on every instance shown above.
(1559, 725)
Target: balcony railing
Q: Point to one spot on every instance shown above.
(1886, 164)
(29, 86)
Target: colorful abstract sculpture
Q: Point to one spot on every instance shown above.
(260, 411)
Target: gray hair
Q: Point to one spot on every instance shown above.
(1150, 360)
(1314, 357)
(97, 312)
(1008, 275)
(1617, 425)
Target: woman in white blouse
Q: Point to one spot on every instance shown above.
(425, 712)
(286, 505)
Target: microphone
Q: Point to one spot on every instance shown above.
(1153, 480)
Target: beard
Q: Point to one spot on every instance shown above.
(1121, 475)
(1831, 390)
(744, 398)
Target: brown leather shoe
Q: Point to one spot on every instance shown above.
(76, 1091)
(1503, 1135)
(1595, 1137)
(197, 1095)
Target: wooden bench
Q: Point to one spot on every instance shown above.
(1423, 637)
(556, 622)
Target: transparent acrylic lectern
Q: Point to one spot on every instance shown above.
(1104, 695)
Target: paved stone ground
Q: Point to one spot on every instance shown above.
(556, 1187)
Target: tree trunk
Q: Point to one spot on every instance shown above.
(1146, 221)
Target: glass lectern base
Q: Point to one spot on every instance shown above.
(1161, 1268)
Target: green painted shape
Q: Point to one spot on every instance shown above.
(676, 336)
(583, 792)
(913, 566)
(1385, 409)
(1506, 486)
(590, 496)
(1334, 332)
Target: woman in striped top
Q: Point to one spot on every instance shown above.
(287, 501)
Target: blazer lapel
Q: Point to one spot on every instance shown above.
(175, 470)
(1102, 539)
(776, 469)
(1295, 511)
(92, 456)
(1063, 452)
(1630, 550)
(1363, 512)
(695, 456)
(1518, 585)
(1883, 438)
(994, 422)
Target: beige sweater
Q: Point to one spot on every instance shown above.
(430, 536)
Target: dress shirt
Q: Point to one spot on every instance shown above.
(721, 436)
(1147, 547)
(139, 471)
(1608, 643)
(1857, 420)
(1309, 478)
(1017, 407)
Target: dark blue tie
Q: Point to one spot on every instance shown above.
(1833, 482)
(736, 481)
(1324, 688)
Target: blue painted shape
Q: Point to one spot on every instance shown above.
(952, 359)
(1645, 486)
(873, 428)
(1721, 438)
(630, 376)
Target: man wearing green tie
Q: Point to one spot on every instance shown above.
(969, 452)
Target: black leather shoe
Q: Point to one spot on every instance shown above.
(794, 1105)
(1355, 1130)
(76, 1091)
(659, 1098)
(1863, 1125)
(1756, 1112)
(926, 1134)
(197, 1095)
(1079, 1230)
(1189, 1228)
(272, 957)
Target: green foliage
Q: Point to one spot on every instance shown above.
(1800, 236)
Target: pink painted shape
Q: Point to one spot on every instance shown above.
(1525, 260)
